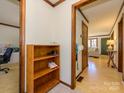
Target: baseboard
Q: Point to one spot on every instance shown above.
(65, 84)
(94, 56)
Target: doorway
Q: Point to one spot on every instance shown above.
(13, 39)
(74, 7)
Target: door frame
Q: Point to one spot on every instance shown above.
(84, 24)
(22, 46)
(75, 6)
(120, 45)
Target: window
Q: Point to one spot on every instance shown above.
(93, 43)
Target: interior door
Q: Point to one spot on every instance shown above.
(120, 45)
(85, 44)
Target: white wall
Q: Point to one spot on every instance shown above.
(45, 24)
(79, 19)
(9, 35)
(63, 36)
(40, 22)
(116, 35)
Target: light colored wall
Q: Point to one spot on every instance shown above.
(79, 19)
(63, 36)
(45, 24)
(116, 35)
(40, 22)
(9, 35)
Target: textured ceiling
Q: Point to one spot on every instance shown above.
(102, 15)
(9, 12)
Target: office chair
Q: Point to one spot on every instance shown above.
(4, 59)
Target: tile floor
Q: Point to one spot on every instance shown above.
(98, 78)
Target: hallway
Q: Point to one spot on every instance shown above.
(98, 78)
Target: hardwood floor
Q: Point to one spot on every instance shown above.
(9, 83)
(98, 78)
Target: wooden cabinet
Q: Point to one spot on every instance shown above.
(40, 77)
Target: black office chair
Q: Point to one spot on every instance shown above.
(4, 59)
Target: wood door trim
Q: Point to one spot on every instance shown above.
(83, 24)
(120, 45)
(22, 45)
(54, 4)
(83, 15)
(73, 42)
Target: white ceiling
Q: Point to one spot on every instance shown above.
(9, 12)
(53, 1)
(102, 15)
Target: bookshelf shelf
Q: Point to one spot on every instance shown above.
(46, 71)
(44, 58)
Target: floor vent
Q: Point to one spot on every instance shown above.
(80, 79)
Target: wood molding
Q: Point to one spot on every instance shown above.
(65, 83)
(117, 16)
(59, 2)
(73, 40)
(54, 4)
(83, 3)
(9, 25)
(22, 45)
(108, 35)
(47, 1)
(120, 45)
(83, 15)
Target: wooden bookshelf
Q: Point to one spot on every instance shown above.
(40, 77)
(46, 71)
(45, 57)
(49, 85)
